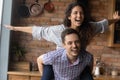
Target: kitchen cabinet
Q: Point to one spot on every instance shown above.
(23, 75)
(114, 31)
(35, 75)
(34, 78)
(108, 77)
(18, 77)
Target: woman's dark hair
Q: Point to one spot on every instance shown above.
(85, 30)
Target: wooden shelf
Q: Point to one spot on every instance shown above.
(109, 77)
(27, 73)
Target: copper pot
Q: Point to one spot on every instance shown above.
(23, 10)
(49, 6)
(36, 9)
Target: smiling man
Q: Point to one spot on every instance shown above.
(68, 62)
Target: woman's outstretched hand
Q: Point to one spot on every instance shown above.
(9, 27)
(26, 29)
(116, 16)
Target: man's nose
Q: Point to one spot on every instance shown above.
(74, 45)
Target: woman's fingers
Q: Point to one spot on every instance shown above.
(9, 27)
(116, 15)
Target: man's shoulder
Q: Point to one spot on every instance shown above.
(87, 56)
(59, 51)
(86, 53)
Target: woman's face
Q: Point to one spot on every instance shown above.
(76, 17)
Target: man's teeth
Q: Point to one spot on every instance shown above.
(77, 20)
(74, 49)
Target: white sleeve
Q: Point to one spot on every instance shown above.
(48, 33)
(100, 26)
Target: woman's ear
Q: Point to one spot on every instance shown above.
(69, 18)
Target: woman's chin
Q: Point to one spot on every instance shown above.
(78, 25)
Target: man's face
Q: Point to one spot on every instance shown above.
(72, 45)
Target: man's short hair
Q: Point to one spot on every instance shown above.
(67, 32)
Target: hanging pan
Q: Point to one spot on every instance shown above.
(36, 9)
(23, 10)
(49, 6)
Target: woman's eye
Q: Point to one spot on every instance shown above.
(74, 12)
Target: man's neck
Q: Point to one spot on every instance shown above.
(72, 59)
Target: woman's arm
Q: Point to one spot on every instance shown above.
(27, 29)
(102, 26)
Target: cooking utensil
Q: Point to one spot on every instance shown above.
(49, 6)
(36, 9)
(23, 10)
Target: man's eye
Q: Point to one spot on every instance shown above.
(69, 43)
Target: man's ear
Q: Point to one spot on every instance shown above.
(63, 44)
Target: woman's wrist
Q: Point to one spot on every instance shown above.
(116, 20)
(13, 28)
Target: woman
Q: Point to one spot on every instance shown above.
(76, 18)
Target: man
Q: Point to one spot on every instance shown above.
(68, 62)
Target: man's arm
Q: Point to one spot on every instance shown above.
(40, 64)
(91, 65)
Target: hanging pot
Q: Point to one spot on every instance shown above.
(23, 10)
(36, 9)
(49, 6)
